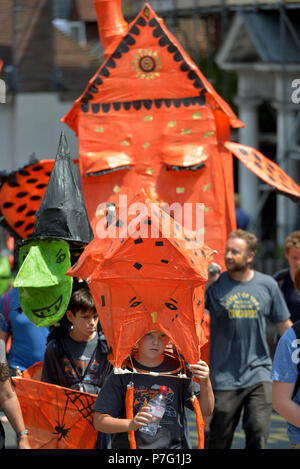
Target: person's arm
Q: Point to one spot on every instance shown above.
(3, 336)
(279, 313)
(283, 404)
(4, 325)
(11, 407)
(9, 401)
(107, 424)
(283, 326)
(200, 371)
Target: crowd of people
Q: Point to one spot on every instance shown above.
(241, 379)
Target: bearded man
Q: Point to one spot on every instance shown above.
(240, 302)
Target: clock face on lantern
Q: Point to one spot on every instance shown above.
(146, 64)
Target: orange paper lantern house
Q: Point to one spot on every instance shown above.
(150, 119)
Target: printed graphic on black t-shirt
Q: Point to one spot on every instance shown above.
(81, 366)
(173, 430)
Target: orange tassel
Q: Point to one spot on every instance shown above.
(199, 421)
(129, 413)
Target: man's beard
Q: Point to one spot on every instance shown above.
(237, 267)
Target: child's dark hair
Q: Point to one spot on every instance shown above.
(81, 300)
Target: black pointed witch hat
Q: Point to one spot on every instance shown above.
(62, 213)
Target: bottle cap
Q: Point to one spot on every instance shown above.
(163, 389)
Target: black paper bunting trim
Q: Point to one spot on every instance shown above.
(145, 103)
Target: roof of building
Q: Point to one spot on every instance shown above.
(264, 30)
(257, 38)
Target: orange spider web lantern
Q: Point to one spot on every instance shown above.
(56, 417)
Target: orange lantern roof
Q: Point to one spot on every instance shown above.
(120, 81)
(152, 279)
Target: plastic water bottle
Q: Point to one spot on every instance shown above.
(157, 409)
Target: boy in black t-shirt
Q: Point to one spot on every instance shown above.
(152, 368)
(76, 354)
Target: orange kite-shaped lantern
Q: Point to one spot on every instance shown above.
(56, 417)
(149, 119)
(147, 274)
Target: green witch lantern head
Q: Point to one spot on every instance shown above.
(61, 226)
(44, 287)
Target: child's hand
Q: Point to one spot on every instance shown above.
(200, 371)
(141, 419)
